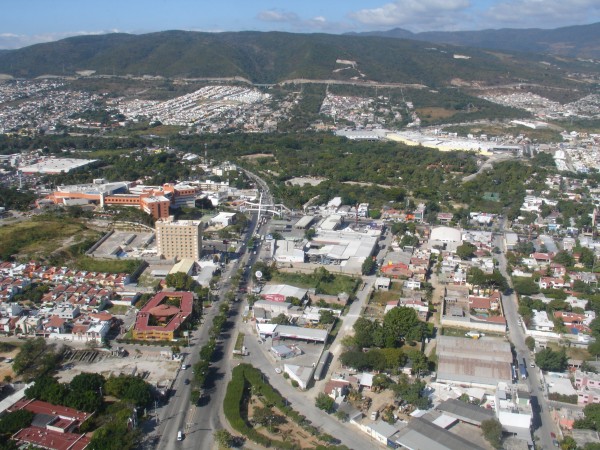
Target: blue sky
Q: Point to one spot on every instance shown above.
(25, 22)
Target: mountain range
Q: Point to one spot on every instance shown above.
(274, 57)
(579, 41)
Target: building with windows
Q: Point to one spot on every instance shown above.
(162, 317)
(179, 238)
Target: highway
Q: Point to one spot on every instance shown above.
(542, 422)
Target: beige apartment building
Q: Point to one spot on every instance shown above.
(179, 238)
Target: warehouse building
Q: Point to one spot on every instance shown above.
(474, 362)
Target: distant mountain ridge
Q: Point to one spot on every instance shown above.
(577, 41)
(275, 56)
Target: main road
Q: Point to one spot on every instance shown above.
(542, 422)
(198, 422)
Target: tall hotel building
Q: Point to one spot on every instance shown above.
(179, 238)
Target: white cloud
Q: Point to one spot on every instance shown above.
(542, 13)
(275, 15)
(413, 13)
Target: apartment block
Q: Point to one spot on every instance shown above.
(179, 238)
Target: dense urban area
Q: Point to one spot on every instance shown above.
(192, 263)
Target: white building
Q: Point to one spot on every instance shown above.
(540, 321)
(288, 252)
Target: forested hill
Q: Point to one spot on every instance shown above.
(579, 41)
(273, 57)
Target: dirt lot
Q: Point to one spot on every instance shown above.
(154, 367)
(5, 367)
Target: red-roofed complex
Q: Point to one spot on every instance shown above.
(52, 426)
(70, 418)
(52, 440)
(162, 317)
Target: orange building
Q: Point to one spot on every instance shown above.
(160, 319)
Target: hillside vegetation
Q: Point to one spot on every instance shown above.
(274, 57)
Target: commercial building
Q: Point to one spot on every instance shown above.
(160, 319)
(179, 238)
(421, 434)
(53, 165)
(446, 238)
(474, 362)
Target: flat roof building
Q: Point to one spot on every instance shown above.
(421, 434)
(179, 238)
(477, 362)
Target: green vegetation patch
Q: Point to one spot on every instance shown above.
(247, 380)
(40, 237)
(107, 265)
(321, 280)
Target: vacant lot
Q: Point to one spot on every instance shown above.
(41, 236)
(435, 113)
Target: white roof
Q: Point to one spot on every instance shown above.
(366, 379)
(446, 234)
(445, 421)
(284, 290)
(508, 419)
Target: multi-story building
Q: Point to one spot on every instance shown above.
(587, 385)
(179, 238)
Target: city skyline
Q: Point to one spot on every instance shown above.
(35, 21)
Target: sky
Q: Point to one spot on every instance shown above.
(26, 22)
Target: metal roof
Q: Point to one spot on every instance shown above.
(421, 434)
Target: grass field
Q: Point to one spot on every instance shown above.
(435, 113)
(572, 352)
(106, 265)
(337, 284)
(40, 237)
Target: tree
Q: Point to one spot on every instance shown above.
(548, 359)
(525, 286)
(326, 317)
(530, 343)
(224, 438)
(401, 324)
(368, 266)
(281, 319)
(14, 421)
(87, 382)
(364, 329)
(595, 327)
(265, 416)
(465, 251)
(568, 443)
(381, 381)
(131, 388)
(35, 359)
(324, 402)
(594, 348)
(492, 431)
(565, 258)
(180, 281)
(310, 234)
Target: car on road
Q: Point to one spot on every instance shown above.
(555, 442)
(186, 381)
(277, 370)
(180, 435)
